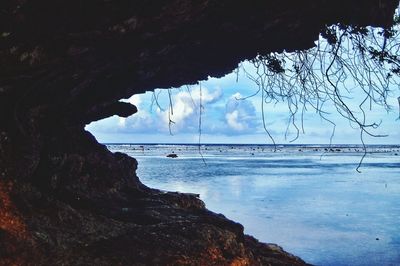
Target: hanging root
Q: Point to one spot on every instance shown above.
(348, 65)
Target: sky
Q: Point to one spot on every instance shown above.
(228, 116)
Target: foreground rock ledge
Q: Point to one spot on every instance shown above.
(67, 200)
(92, 210)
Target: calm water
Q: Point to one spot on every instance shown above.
(314, 204)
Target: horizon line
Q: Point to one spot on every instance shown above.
(263, 144)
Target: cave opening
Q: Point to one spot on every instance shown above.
(65, 199)
(237, 170)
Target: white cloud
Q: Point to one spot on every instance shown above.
(140, 122)
(232, 120)
(135, 100)
(241, 114)
(122, 122)
(186, 108)
(132, 121)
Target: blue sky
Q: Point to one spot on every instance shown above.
(228, 118)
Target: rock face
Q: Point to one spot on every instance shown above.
(64, 198)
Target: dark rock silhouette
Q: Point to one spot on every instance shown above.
(64, 198)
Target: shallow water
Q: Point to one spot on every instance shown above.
(308, 199)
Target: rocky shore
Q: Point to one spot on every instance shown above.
(92, 210)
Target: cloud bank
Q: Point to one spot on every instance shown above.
(226, 118)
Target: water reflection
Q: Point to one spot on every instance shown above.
(319, 209)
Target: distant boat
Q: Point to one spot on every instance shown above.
(172, 155)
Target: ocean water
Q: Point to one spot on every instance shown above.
(309, 199)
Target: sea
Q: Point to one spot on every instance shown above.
(318, 202)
